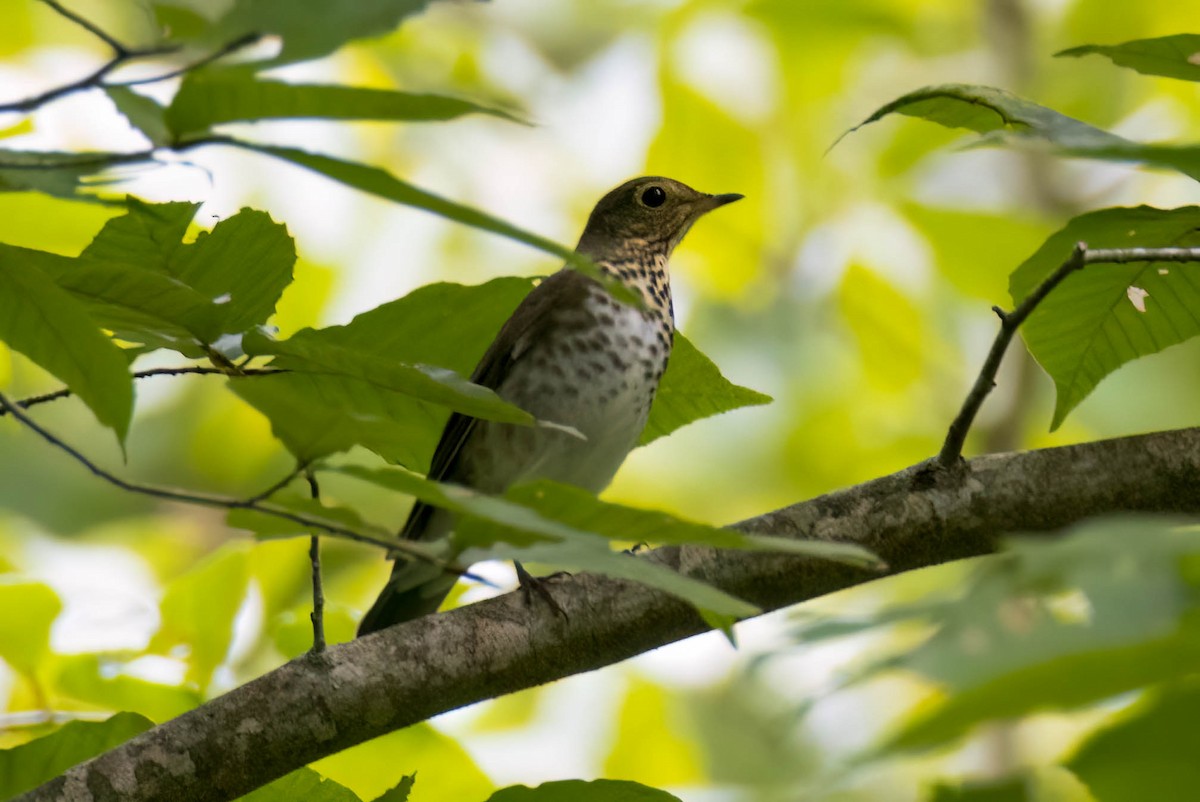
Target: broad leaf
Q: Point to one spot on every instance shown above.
(398, 792)
(147, 235)
(42, 321)
(1089, 326)
(54, 173)
(693, 388)
(208, 98)
(1008, 118)
(1176, 56)
(1024, 637)
(29, 765)
(144, 113)
(583, 791)
(25, 638)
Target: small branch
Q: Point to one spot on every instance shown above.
(236, 44)
(317, 616)
(407, 548)
(1080, 257)
(277, 486)
(121, 50)
(65, 392)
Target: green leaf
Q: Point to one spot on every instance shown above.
(43, 322)
(198, 612)
(1148, 753)
(381, 183)
(303, 783)
(25, 638)
(54, 173)
(398, 792)
(1055, 624)
(311, 28)
(147, 235)
(1009, 119)
(583, 791)
(209, 97)
(320, 351)
(1088, 326)
(888, 327)
(265, 525)
(693, 388)
(1006, 790)
(99, 681)
(1176, 56)
(29, 765)
(144, 113)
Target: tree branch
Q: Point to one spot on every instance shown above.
(317, 705)
(1080, 257)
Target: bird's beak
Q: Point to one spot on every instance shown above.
(710, 202)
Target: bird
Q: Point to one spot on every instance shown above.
(572, 355)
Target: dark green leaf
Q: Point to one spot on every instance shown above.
(302, 784)
(1007, 118)
(209, 98)
(1088, 326)
(43, 322)
(147, 235)
(1176, 56)
(54, 173)
(29, 765)
(144, 113)
(691, 389)
(1149, 752)
(399, 793)
(1007, 790)
(583, 791)
(311, 28)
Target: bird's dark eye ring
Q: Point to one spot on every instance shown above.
(654, 197)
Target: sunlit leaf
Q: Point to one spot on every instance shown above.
(1148, 752)
(42, 321)
(1087, 327)
(1176, 56)
(888, 327)
(691, 389)
(54, 173)
(25, 638)
(649, 711)
(1007, 118)
(583, 791)
(303, 783)
(209, 98)
(97, 681)
(29, 765)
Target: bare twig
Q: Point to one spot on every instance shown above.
(236, 44)
(409, 549)
(277, 486)
(1080, 257)
(65, 392)
(317, 616)
(90, 27)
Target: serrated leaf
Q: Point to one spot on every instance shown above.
(42, 321)
(208, 98)
(1008, 119)
(25, 638)
(583, 791)
(1087, 327)
(143, 113)
(29, 765)
(305, 784)
(319, 351)
(1176, 56)
(691, 389)
(147, 235)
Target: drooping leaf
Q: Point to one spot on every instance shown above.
(1007, 118)
(691, 389)
(55, 173)
(1176, 56)
(29, 765)
(144, 113)
(1148, 752)
(303, 783)
(25, 638)
(1088, 326)
(583, 791)
(1026, 637)
(42, 321)
(208, 98)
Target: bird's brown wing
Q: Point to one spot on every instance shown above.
(531, 320)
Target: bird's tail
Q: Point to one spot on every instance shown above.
(415, 589)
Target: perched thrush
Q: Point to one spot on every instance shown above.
(570, 354)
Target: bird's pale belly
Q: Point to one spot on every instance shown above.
(598, 382)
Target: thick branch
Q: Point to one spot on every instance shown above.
(1080, 257)
(319, 704)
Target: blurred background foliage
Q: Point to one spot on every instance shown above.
(852, 284)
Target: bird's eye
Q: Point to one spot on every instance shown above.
(654, 197)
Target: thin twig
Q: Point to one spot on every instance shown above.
(317, 616)
(65, 392)
(236, 44)
(409, 549)
(89, 26)
(1080, 257)
(277, 486)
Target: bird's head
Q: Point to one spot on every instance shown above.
(647, 215)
